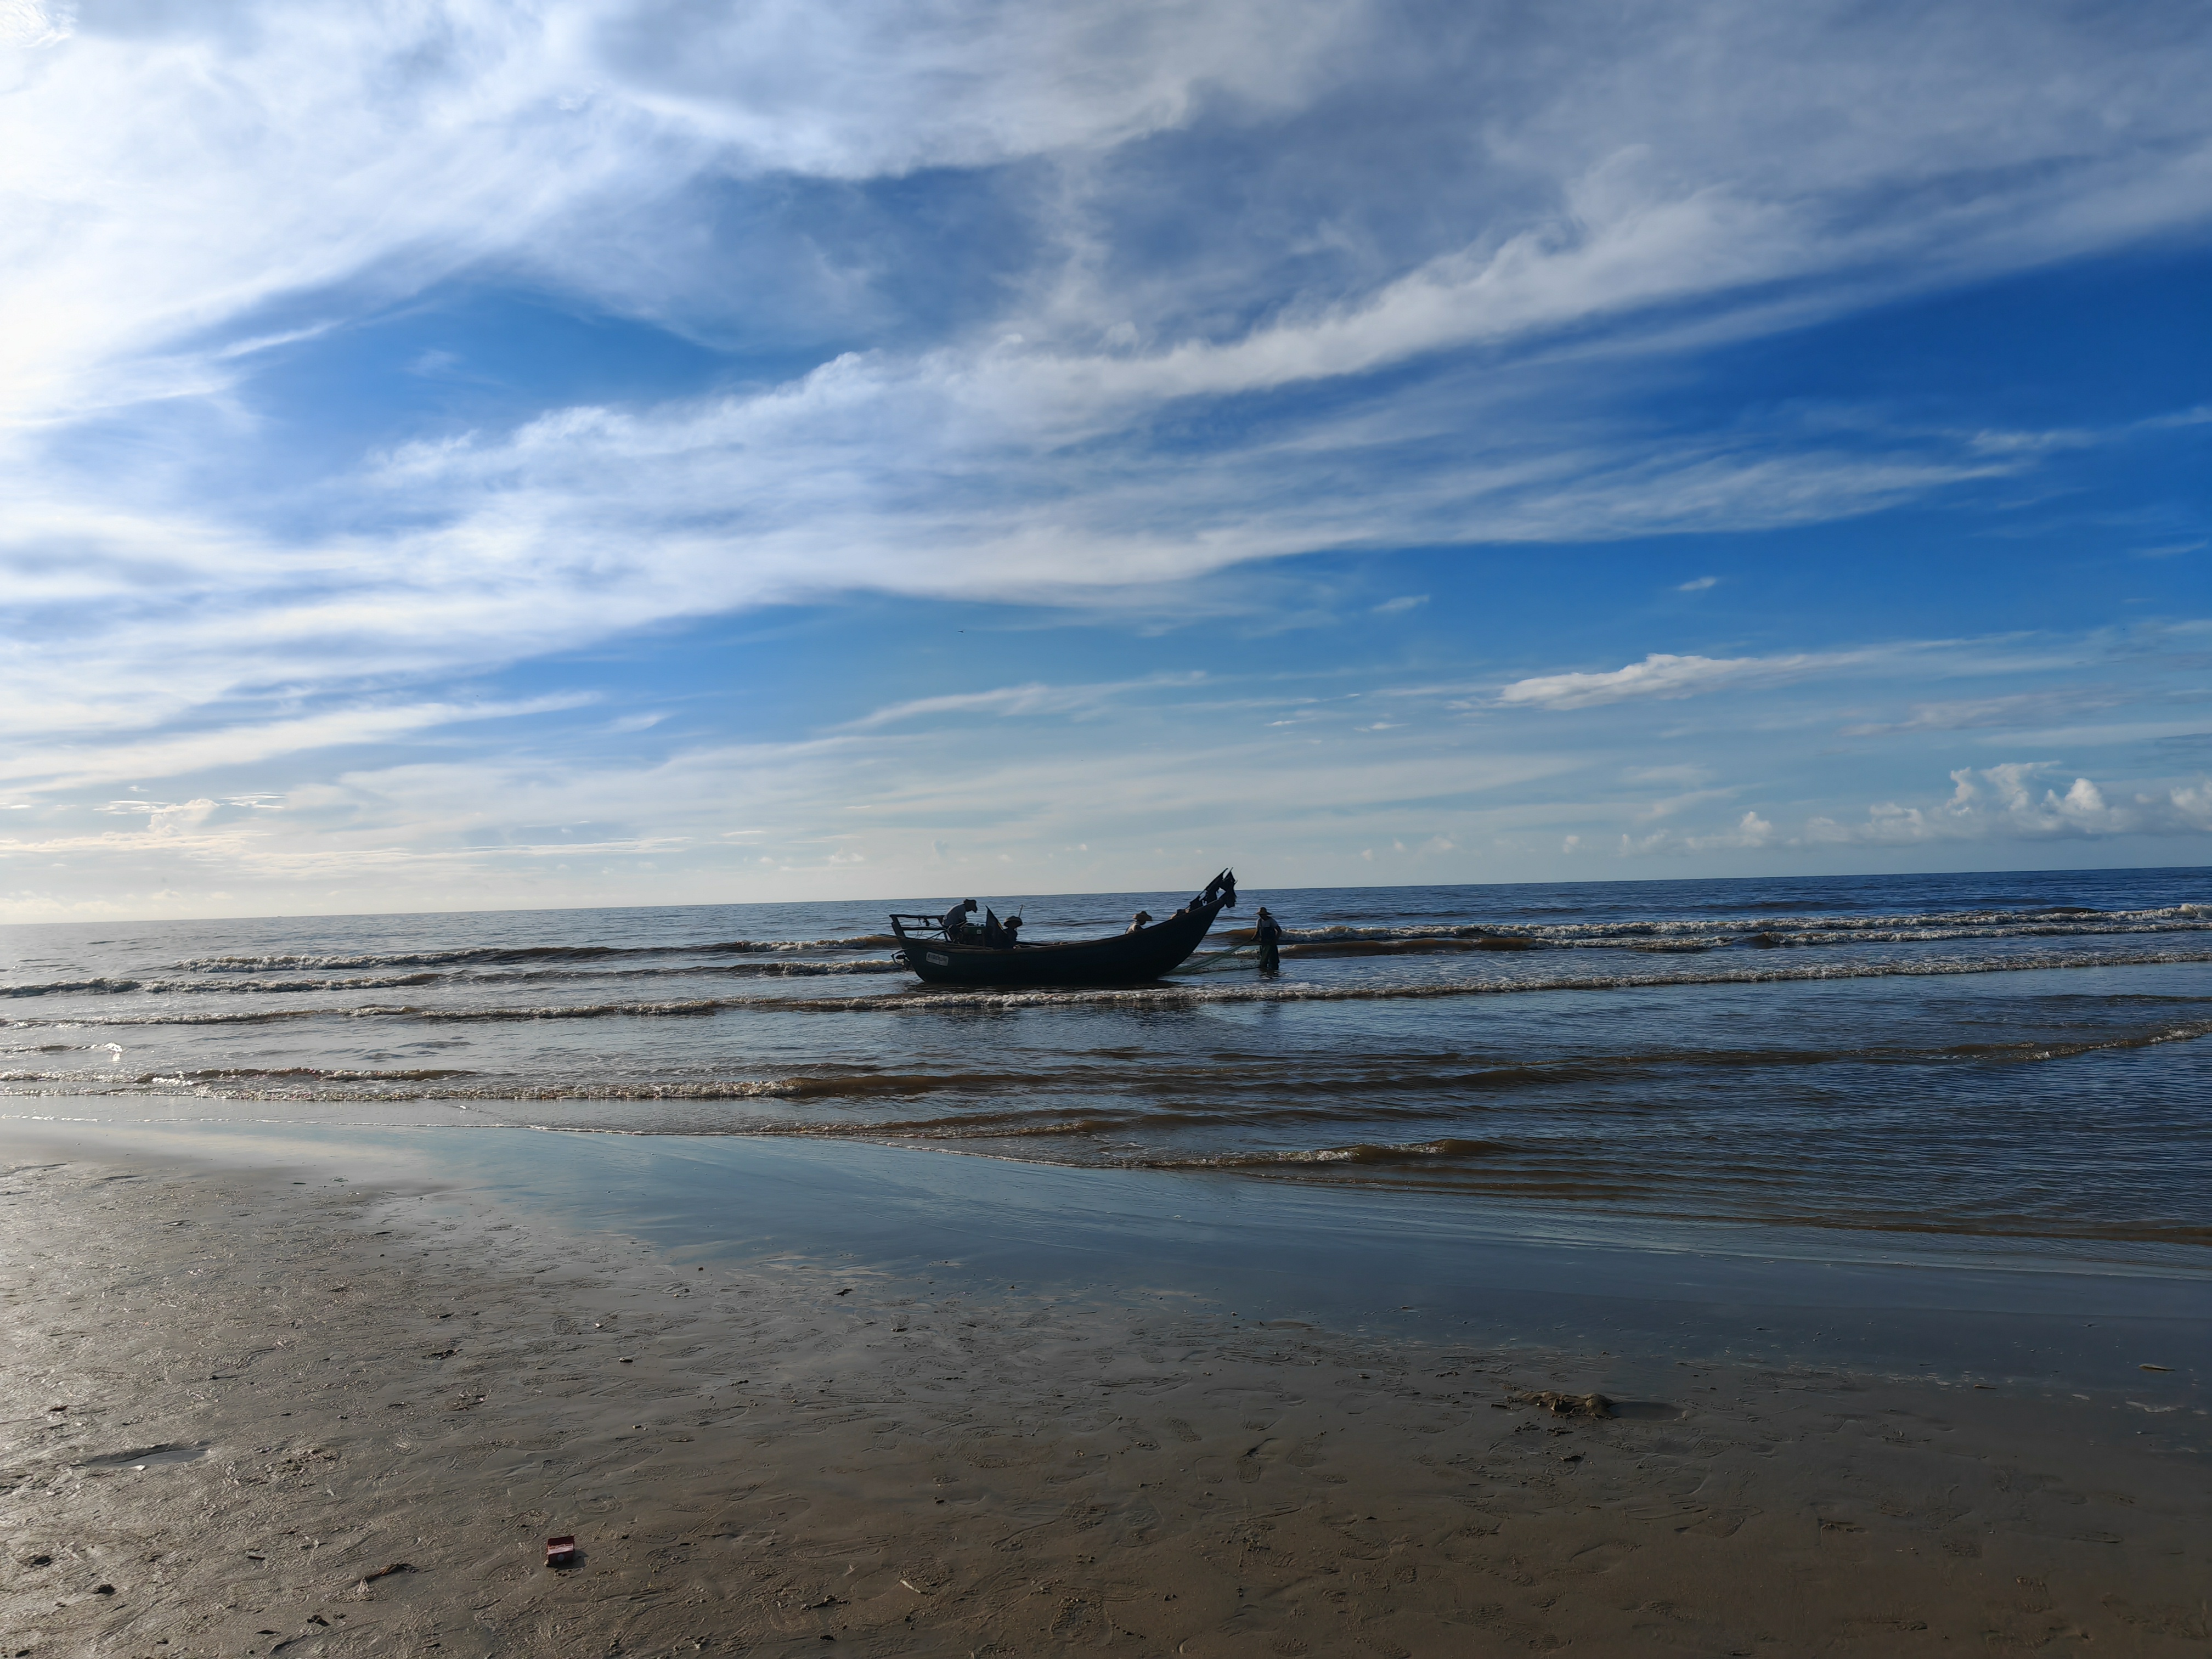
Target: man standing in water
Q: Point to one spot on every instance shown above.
(1267, 932)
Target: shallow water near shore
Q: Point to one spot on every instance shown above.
(2017, 1055)
(1435, 1269)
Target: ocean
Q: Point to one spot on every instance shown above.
(2012, 1057)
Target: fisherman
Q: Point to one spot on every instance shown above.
(1267, 932)
(956, 926)
(1013, 931)
(1142, 920)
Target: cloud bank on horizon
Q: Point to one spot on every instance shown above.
(470, 452)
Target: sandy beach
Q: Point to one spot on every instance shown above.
(257, 1409)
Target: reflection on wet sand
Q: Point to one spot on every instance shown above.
(403, 1393)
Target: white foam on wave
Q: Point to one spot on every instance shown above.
(1170, 994)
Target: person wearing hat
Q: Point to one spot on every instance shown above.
(956, 926)
(1143, 918)
(1267, 932)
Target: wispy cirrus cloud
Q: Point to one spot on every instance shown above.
(2012, 711)
(168, 173)
(1034, 698)
(863, 476)
(455, 133)
(1667, 676)
(1663, 676)
(71, 767)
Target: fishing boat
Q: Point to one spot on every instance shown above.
(1144, 954)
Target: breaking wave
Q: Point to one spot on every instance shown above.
(61, 988)
(1167, 994)
(1121, 1095)
(475, 955)
(1362, 1151)
(294, 987)
(1708, 932)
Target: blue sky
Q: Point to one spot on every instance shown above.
(466, 454)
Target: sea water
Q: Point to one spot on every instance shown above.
(2016, 1058)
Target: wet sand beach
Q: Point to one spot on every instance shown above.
(243, 1386)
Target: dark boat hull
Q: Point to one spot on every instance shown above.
(1125, 959)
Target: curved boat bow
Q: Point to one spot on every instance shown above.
(1132, 958)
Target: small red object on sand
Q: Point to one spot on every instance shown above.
(561, 1552)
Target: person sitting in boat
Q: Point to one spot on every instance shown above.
(1142, 920)
(1268, 933)
(1013, 931)
(956, 926)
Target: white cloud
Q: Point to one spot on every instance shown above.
(171, 183)
(1697, 584)
(168, 179)
(164, 178)
(851, 90)
(2008, 802)
(1663, 676)
(1675, 806)
(1031, 699)
(1751, 830)
(70, 767)
(26, 25)
(2012, 710)
(864, 475)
